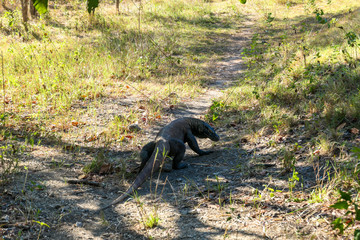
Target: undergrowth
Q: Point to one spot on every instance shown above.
(75, 84)
(66, 65)
(302, 83)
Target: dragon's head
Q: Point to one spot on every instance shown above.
(204, 130)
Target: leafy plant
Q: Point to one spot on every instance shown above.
(356, 152)
(36, 186)
(41, 6)
(351, 38)
(91, 5)
(345, 202)
(8, 161)
(319, 16)
(95, 165)
(269, 18)
(216, 109)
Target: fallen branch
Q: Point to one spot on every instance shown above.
(83, 181)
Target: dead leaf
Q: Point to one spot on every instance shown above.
(354, 131)
(105, 168)
(82, 176)
(92, 138)
(349, 221)
(74, 123)
(129, 136)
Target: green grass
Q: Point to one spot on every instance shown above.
(67, 64)
(302, 81)
(299, 68)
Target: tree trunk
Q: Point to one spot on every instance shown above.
(24, 10)
(117, 2)
(32, 9)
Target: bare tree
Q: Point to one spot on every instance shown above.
(117, 2)
(25, 10)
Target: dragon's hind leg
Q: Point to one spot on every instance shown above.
(145, 153)
(177, 152)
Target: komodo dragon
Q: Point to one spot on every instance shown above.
(169, 142)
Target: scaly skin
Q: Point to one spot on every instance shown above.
(169, 142)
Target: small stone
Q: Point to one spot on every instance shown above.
(179, 180)
(184, 211)
(134, 127)
(194, 211)
(6, 218)
(78, 224)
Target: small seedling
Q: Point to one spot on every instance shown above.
(292, 182)
(220, 189)
(288, 159)
(152, 220)
(26, 176)
(271, 191)
(41, 225)
(257, 198)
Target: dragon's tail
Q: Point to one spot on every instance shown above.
(161, 150)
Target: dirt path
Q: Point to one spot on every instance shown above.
(182, 211)
(220, 196)
(224, 73)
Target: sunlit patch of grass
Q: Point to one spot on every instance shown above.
(293, 72)
(66, 64)
(152, 220)
(302, 81)
(320, 195)
(325, 145)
